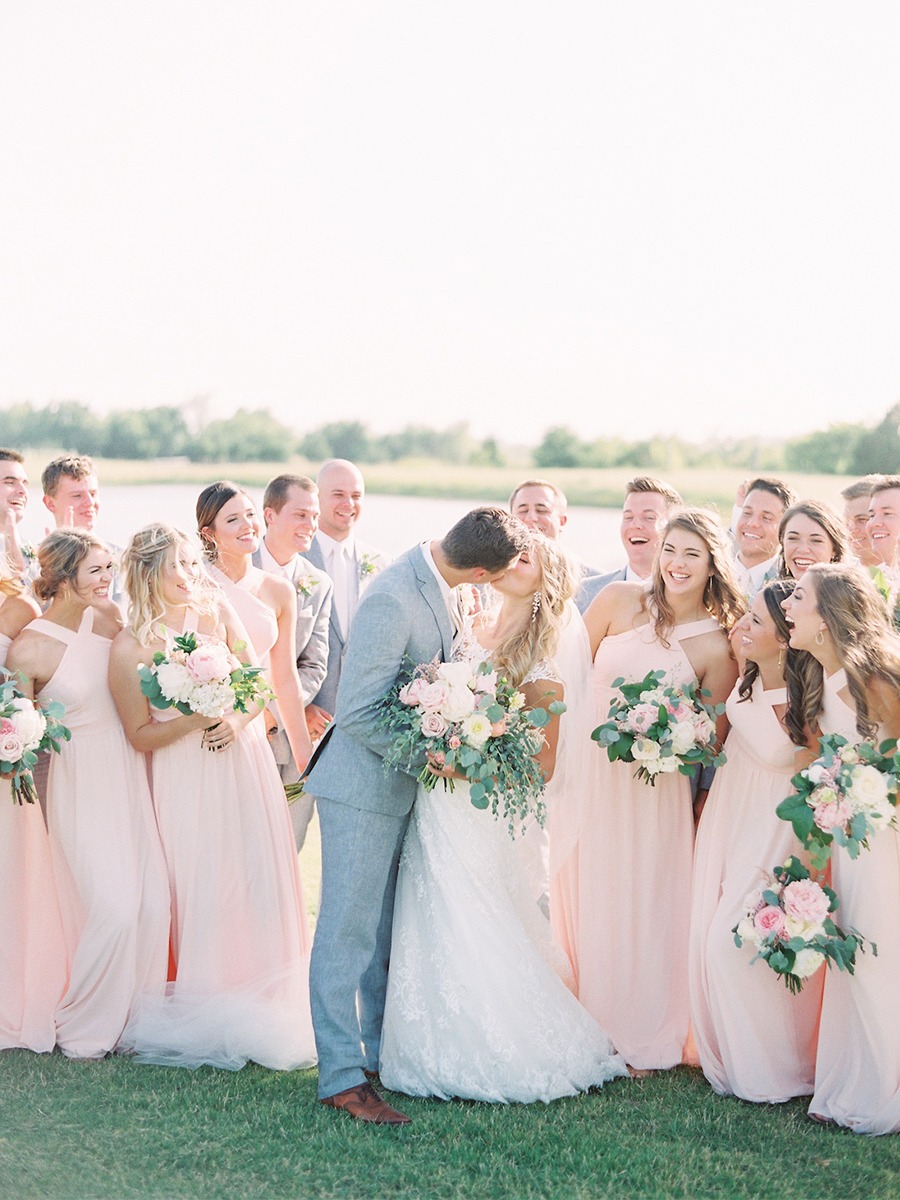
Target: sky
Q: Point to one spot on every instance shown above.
(632, 219)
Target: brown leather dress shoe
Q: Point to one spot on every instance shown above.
(364, 1104)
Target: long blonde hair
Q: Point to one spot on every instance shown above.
(538, 639)
(722, 598)
(143, 561)
(860, 629)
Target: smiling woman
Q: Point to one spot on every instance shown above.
(810, 532)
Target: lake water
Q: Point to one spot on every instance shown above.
(392, 523)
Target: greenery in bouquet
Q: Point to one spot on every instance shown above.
(27, 729)
(661, 727)
(203, 676)
(788, 922)
(845, 797)
(464, 717)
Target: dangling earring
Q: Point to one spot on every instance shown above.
(820, 638)
(781, 658)
(535, 606)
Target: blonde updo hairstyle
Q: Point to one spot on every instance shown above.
(539, 638)
(60, 555)
(143, 561)
(210, 503)
(722, 597)
(860, 629)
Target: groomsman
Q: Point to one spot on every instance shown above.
(72, 495)
(857, 499)
(645, 511)
(13, 501)
(291, 514)
(756, 521)
(541, 505)
(350, 564)
(884, 523)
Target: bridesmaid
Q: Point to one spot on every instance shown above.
(633, 858)
(266, 604)
(239, 937)
(810, 532)
(755, 1040)
(107, 860)
(837, 615)
(33, 974)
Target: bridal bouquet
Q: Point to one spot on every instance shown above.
(662, 727)
(846, 796)
(788, 923)
(465, 717)
(26, 729)
(203, 677)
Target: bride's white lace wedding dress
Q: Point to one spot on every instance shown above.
(476, 1004)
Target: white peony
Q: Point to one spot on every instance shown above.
(746, 931)
(457, 674)
(175, 682)
(798, 927)
(460, 702)
(807, 962)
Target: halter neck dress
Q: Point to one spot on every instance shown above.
(107, 858)
(858, 1059)
(755, 1040)
(239, 933)
(629, 888)
(32, 950)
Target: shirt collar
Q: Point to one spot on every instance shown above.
(446, 589)
(330, 546)
(272, 565)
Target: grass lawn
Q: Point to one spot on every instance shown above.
(116, 1129)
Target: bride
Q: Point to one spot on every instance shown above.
(477, 1006)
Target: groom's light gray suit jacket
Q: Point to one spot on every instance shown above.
(401, 618)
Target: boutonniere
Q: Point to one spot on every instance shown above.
(305, 585)
(368, 565)
(28, 551)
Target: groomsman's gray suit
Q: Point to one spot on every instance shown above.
(311, 647)
(592, 585)
(337, 638)
(363, 813)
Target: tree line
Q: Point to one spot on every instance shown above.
(171, 431)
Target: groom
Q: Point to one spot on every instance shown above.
(408, 615)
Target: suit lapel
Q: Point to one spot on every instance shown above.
(433, 597)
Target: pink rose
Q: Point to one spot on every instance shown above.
(453, 742)
(769, 921)
(11, 748)
(410, 692)
(498, 728)
(6, 726)
(642, 717)
(433, 724)
(433, 696)
(806, 901)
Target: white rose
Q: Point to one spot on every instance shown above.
(816, 773)
(11, 748)
(868, 789)
(807, 963)
(746, 930)
(30, 725)
(476, 729)
(797, 927)
(457, 674)
(849, 754)
(645, 750)
(682, 736)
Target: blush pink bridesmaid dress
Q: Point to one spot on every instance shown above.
(629, 879)
(107, 858)
(858, 1060)
(754, 1039)
(32, 950)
